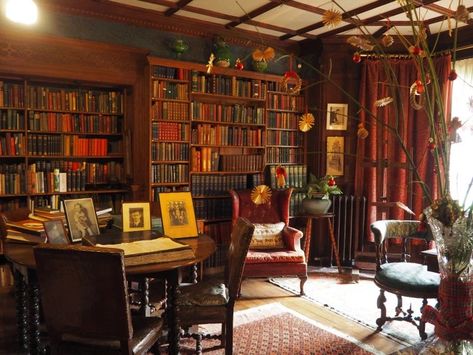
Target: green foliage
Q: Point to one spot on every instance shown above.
(322, 187)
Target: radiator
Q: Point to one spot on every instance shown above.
(349, 226)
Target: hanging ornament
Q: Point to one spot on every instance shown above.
(453, 75)
(383, 102)
(431, 144)
(306, 122)
(361, 43)
(268, 54)
(414, 95)
(419, 87)
(387, 40)
(416, 50)
(261, 194)
(238, 64)
(362, 132)
(356, 57)
(210, 63)
(332, 18)
(281, 176)
(462, 14)
(294, 90)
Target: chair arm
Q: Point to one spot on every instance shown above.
(397, 229)
(292, 238)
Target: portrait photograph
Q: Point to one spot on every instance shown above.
(55, 232)
(337, 117)
(81, 218)
(177, 213)
(136, 216)
(335, 157)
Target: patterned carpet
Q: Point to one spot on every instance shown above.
(275, 329)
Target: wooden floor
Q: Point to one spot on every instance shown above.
(255, 292)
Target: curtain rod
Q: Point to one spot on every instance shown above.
(407, 56)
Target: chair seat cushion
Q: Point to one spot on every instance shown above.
(205, 293)
(274, 256)
(411, 277)
(267, 236)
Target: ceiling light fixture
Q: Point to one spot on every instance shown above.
(22, 11)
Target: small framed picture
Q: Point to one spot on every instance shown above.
(335, 156)
(136, 216)
(177, 213)
(55, 232)
(81, 218)
(337, 117)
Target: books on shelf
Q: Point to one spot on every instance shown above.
(296, 176)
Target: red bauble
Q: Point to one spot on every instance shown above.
(431, 145)
(356, 57)
(416, 50)
(331, 182)
(239, 65)
(453, 75)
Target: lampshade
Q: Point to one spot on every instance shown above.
(22, 11)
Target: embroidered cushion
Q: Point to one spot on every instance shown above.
(267, 236)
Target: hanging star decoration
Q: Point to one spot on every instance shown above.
(261, 194)
(281, 176)
(383, 101)
(387, 40)
(263, 56)
(306, 122)
(289, 75)
(210, 63)
(332, 18)
(362, 132)
(361, 43)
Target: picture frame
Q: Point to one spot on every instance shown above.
(337, 117)
(177, 213)
(136, 216)
(335, 156)
(55, 232)
(81, 218)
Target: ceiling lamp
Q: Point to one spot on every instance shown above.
(22, 11)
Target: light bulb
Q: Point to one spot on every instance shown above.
(22, 11)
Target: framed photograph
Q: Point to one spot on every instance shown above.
(337, 117)
(55, 232)
(177, 213)
(335, 155)
(136, 216)
(81, 218)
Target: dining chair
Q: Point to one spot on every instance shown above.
(213, 300)
(84, 296)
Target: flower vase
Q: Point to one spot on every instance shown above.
(453, 320)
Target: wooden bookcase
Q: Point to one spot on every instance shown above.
(60, 140)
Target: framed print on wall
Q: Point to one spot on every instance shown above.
(335, 157)
(337, 117)
(136, 216)
(177, 213)
(81, 218)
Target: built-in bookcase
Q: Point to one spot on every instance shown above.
(60, 140)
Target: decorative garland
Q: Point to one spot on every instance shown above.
(285, 81)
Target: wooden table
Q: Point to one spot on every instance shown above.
(308, 234)
(21, 256)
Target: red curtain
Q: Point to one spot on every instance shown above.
(382, 169)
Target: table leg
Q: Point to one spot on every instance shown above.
(308, 237)
(33, 306)
(334, 245)
(145, 309)
(172, 312)
(21, 309)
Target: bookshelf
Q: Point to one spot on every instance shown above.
(60, 140)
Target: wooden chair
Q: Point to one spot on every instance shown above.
(287, 261)
(85, 302)
(402, 278)
(212, 301)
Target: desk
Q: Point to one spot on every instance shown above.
(308, 234)
(27, 292)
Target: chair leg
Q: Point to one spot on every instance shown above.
(229, 334)
(223, 335)
(303, 280)
(422, 333)
(380, 303)
(399, 306)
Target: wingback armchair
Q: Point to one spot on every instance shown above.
(287, 259)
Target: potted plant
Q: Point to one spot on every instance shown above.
(318, 191)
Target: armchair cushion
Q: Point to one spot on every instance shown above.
(206, 293)
(405, 276)
(275, 256)
(268, 236)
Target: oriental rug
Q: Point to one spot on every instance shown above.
(275, 329)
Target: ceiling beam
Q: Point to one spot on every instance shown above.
(178, 6)
(256, 12)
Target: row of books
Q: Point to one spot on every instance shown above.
(12, 144)
(46, 182)
(216, 208)
(216, 185)
(246, 162)
(170, 90)
(204, 159)
(75, 123)
(12, 204)
(276, 155)
(73, 99)
(171, 131)
(12, 183)
(227, 113)
(296, 176)
(170, 110)
(156, 190)
(12, 94)
(12, 119)
(169, 173)
(165, 151)
(39, 144)
(282, 120)
(285, 138)
(170, 73)
(224, 85)
(277, 86)
(221, 233)
(285, 102)
(209, 134)
(101, 201)
(295, 205)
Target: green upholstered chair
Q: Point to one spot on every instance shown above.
(402, 277)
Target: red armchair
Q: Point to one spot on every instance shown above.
(289, 261)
